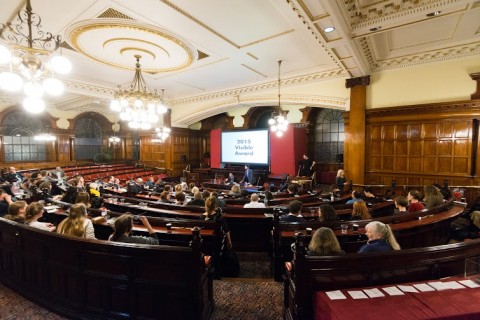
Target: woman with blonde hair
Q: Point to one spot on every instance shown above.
(341, 180)
(33, 213)
(360, 211)
(324, 243)
(380, 238)
(432, 197)
(77, 224)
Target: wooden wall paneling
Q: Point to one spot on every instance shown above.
(431, 143)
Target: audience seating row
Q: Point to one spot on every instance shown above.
(96, 279)
(309, 274)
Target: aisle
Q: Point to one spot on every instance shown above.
(253, 295)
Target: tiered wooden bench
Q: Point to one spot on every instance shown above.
(95, 279)
(309, 274)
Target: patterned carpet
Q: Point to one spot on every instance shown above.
(253, 295)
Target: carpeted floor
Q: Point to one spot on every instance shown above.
(253, 295)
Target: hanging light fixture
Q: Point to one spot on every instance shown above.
(32, 59)
(162, 134)
(138, 105)
(278, 122)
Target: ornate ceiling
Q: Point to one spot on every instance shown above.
(217, 54)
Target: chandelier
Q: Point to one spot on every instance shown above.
(32, 58)
(162, 134)
(138, 105)
(278, 122)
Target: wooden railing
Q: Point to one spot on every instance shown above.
(95, 279)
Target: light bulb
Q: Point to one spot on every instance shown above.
(33, 89)
(280, 119)
(123, 102)
(115, 105)
(5, 55)
(274, 128)
(61, 65)
(271, 121)
(10, 81)
(53, 87)
(138, 103)
(279, 133)
(33, 104)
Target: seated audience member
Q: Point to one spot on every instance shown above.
(206, 194)
(220, 202)
(294, 215)
(268, 196)
(13, 176)
(254, 202)
(235, 191)
(180, 198)
(360, 211)
(356, 196)
(401, 204)
(324, 243)
(292, 189)
(213, 212)
(17, 211)
(445, 191)
(150, 184)
(164, 197)
(326, 213)
(230, 179)
(194, 190)
(117, 183)
(110, 181)
(341, 180)
(123, 226)
(83, 197)
(5, 201)
(96, 199)
(380, 238)
(58, 174)
(33, 213)
(197, 200)
(414, 198)
(159, 185)
(77, 224)
(432, 197)
(135, 187)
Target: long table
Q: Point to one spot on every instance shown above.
(459, 303)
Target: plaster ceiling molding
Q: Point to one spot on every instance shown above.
(227, 105)
(472, 49)
(94, 90)
(115, 42)
(309, 25)
(302, 79)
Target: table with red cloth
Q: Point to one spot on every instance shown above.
(443, 304)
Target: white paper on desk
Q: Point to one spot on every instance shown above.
(443, 285)
(357, 294)
(407, 288)
(469, 283)
(454, 285)
(374, 293)
(336, 295)
(423, 287)
(393, 291)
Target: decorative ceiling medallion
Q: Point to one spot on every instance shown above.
(115, 42)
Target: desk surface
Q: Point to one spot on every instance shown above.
(437, 304)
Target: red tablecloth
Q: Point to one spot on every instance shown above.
(445, 304)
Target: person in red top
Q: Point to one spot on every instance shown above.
(414, 198)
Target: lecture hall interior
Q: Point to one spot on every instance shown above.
(386, 90)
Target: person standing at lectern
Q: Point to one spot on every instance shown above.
(307, 165)
(248, 175)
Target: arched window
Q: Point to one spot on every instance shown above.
(329, 135)
(88, 138)
(19, 144)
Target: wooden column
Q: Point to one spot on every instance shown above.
(354, 159)
(476, 77)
